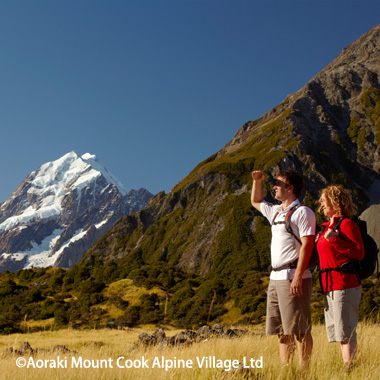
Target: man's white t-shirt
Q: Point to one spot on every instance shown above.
(284, 247)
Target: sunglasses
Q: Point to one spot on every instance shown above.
(280, 183)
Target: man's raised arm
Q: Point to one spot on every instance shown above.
(257, 190)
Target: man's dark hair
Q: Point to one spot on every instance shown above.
(293, 178)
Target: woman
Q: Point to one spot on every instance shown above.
(342, 291)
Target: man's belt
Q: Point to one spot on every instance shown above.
(291, 265)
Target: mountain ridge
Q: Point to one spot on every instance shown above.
(329, 130)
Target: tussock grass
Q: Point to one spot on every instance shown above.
(130, 292)
(108, 345)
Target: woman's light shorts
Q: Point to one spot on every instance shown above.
(342, 314)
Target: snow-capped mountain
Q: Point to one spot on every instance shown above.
(58, 211)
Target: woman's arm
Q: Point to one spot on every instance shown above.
(349, 240)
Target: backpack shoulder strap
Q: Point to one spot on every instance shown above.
(287, 218)
(339, 223)
(274, 217)
(287, 221)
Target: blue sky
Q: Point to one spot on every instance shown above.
(154, 87)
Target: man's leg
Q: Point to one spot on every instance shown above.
(348, 351)
(287, 347)
(296, 319)
(305, 347)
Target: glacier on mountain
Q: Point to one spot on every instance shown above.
(59, 210)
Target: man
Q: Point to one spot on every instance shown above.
(289, 291)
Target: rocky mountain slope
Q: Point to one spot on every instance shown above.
(329, 131)
(60, 210)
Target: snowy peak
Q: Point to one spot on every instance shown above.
(52, 182)
(71, 167)
(98, 166)
(59, 210)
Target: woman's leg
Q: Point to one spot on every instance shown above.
(349, 350)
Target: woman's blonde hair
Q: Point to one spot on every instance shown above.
(340, 199)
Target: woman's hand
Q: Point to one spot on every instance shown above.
(330, 233)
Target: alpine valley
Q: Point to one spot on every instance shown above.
(200, 253)
(58, 211)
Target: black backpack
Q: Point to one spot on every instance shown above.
(362, 268)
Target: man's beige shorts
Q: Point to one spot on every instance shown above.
(288, 314)
(342, 314)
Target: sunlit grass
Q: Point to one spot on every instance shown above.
(104, 347)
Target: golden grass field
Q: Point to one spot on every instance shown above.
(104, 347)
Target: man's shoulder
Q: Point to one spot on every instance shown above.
(304, 211)
(305, 208)
(304, 218)
(269, 204)
(272, 206)
(269, 209)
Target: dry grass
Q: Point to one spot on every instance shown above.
(130, 292)
(326, 362)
